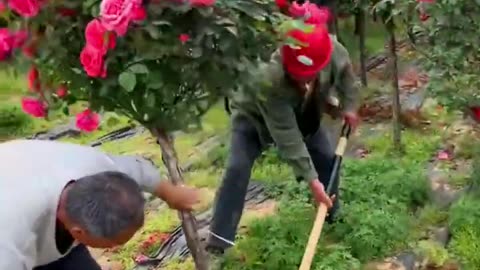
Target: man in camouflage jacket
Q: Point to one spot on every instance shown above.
(286, 111)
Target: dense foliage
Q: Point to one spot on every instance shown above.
(451, 50)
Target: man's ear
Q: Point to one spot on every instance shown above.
(77, 232)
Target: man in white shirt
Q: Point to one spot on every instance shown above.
(58, 198)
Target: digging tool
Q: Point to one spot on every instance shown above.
(322, 209)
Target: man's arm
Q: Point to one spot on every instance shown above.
(282, 124)
(143, 171)
(147, 175)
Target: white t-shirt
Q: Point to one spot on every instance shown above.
(32, 176)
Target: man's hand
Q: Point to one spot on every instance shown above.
(318, 191)
(178, 197)
(352, 119)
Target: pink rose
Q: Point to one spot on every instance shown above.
(34, 107)
(62, 91)
(25, 8)
(34, 79)
(317, 15)
(6, 43)
(98, 37)
(3, 6)
(87, 121)
(93, 62)
(117, 14)
(184, 38)
(202, 3)
(139, 14)
(298, 10)
(19, 38)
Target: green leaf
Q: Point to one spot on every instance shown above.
(139, 69)
(127, 80)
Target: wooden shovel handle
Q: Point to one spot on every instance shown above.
(313, 239)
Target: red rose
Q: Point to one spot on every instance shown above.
(6, 43)
(62, 91)
(34, 79)
(282, 4)
(3, 6)
(139, 13)
(87, 121)
(66, 12)
(297, 10)
(184, 38)
(29, 51)
(475, 112)
(92, 62)
(34, 107)
(424, 17)
(19, 38)
(202, 3)
(25, 8)
(98, 37)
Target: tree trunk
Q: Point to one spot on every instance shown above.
(189, 225)
(397, 130)
(360, 28)
(334, 23)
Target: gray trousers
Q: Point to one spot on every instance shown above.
(245, 148)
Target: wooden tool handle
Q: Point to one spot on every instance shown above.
(313, 239)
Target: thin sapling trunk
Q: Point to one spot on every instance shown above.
(397, 129)
(170, 159)
(361, 22)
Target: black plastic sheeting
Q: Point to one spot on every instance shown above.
(57, 132)
(122, 133)
(176, 246)
(69, 130)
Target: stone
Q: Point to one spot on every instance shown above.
(388, 264)
(441, 193)
(408, 260)
(441, 235)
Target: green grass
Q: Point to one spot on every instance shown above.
(11, 87)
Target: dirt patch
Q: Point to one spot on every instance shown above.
(256, 211)
(264, 209)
